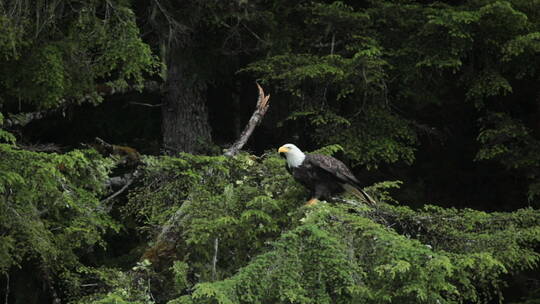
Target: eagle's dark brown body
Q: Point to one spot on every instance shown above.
(324, 176)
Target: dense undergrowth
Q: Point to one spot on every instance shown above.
(204, 229)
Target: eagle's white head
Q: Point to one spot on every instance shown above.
(294, 156)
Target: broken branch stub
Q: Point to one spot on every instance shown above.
(254, 121)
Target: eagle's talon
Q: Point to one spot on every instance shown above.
(311, 202)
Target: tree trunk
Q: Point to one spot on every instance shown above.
(185, 126)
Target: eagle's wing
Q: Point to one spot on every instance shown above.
(333, 166)
(338, 169)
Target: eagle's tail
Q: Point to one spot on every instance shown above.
(358, 192)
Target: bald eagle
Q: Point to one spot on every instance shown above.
(323, 175)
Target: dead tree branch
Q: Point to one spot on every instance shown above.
(148, 86)
(128, 181)
(7, 288)
(254, 121)
(22, 119)
(145, 104)
(215, 258)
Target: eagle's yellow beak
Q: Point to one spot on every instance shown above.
(283, 149)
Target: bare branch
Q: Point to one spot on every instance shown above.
(128, 182)
(22, 119)
(7, 288)
(145, 104)
(255, 120)
(147, 86)
(255, 35)
(175, 28)
(48, 147)
(215, 258)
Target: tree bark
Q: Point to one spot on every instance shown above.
(185, 126)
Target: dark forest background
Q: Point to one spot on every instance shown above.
(443, 96)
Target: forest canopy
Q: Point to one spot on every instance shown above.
(115, 115)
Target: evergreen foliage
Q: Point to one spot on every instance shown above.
(50, 213)
(246, 214)
(57, 51)
(438, 92)
(364, 70)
